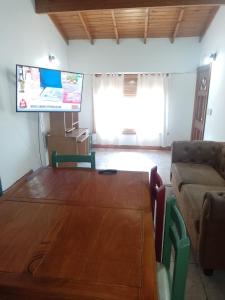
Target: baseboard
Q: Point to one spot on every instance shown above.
(132, 147)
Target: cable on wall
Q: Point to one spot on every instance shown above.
(39, 140)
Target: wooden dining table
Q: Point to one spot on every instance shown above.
(77, 234)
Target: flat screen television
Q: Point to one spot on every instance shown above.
(47, 90)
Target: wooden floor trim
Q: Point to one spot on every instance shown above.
(133, 147)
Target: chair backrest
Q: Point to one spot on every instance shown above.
(62, 158)
(175, 235)
(157, 191)
(155, 184)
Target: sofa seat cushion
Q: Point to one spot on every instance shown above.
(188, 173)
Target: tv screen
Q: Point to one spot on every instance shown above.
(47, 90)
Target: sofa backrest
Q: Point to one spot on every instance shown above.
(199, 152)
(221, 161)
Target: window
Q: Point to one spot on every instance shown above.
(129, 104)
(130, 85)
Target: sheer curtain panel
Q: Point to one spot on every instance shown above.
(151, 121)
(107, 96)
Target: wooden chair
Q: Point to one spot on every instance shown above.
(175, 235)
(157, 191)
(62, 158)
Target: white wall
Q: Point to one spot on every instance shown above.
(26, 38)
(85, 116)
(214, 41)
(180, 109)
(132, 55)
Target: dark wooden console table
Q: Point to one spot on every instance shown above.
(76, 234)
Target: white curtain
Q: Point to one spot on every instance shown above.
(107, 95)
(151, 121)
(146, 113)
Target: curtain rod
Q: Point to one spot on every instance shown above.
(142, 73)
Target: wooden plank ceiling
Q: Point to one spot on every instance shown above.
(144, 23)
(53, 6)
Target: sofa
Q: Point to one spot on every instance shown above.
(198, 180)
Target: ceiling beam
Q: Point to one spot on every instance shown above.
(85, 26)
(177, 27)
(59, 27)
(208, 22)
(53, 6)
(146, 25)
(115, 27)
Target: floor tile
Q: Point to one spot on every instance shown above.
(214, 285)
(194, 287)
(215, 294)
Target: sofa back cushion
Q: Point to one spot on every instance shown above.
(221, 162)
(199, 152)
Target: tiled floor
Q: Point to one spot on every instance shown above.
(199, 286)
(137, 160)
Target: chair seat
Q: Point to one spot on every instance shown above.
(163, 283)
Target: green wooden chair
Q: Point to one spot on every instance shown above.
(172, 286)
(61, 158)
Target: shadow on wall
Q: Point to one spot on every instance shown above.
(3, 82)
(7, 90)
(1, 96)
(11, 87)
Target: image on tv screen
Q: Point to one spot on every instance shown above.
(45, 90)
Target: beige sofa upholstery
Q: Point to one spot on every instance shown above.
(198, 178)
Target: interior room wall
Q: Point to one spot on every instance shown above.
(181, 90)
(26, 38)
(214, 41)
(132, 55)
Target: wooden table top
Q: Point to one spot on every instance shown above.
(76, 234)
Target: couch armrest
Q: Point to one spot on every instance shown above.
(212, 231)
(199, 152)
(214, 206)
